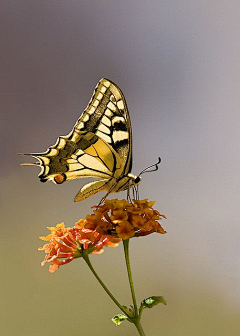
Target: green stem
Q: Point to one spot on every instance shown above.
(137, 318)
(139, 327)
(86, 258)
(126, 251)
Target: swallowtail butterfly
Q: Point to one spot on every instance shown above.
(99, 146)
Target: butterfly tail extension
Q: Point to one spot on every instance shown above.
(91, 189)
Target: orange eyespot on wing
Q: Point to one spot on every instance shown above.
(60, 178)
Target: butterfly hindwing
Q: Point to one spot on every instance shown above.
(86, 156)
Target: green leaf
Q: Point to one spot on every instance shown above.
(118, 319)
(152, 301)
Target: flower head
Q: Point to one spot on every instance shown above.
(125, 220)
(66, 244)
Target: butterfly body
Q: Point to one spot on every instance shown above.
(99, 146)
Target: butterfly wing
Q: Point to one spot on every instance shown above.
(86, 156)
(107, 116)
(100, 144)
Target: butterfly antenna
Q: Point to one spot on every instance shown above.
(148, 169)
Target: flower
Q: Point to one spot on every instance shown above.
(111, 222)
(66, 244)
(125, 230)
(140, 222)
(121, 219)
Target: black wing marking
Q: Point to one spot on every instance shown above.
(107, 116)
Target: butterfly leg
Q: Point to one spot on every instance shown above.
(109, 192)
(129, 198)
(136, 191)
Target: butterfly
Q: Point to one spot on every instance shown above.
(99, 146)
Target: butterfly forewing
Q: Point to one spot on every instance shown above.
(107, 116)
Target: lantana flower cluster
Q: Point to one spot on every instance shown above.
(64, 244)
(111, 222)
(124, 220)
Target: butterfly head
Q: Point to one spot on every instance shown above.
(134, 180)
(137, 180)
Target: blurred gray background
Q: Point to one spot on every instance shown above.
(177, 63)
